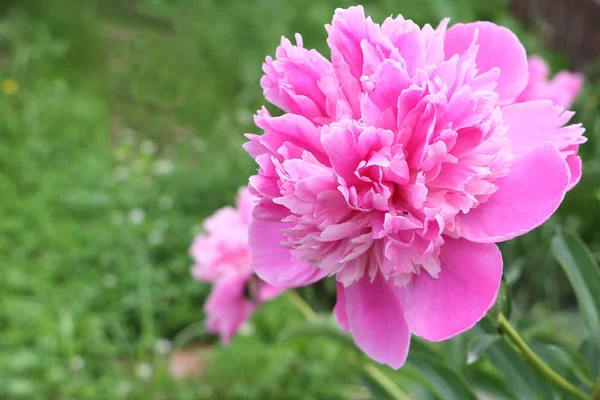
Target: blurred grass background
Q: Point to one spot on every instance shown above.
(124, 132)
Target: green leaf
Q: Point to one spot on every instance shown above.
(458, 351)
(584, 274)
(524, 382)
(374, 388)
(553, 356)
(591, 353)
(322, 326)
(381, 384)
(490, 382)
(563, 357)
(479, 344)
(423, 394)
(503, 302)
(424, 367)
(580, 367)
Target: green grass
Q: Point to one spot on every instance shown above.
(125, 133)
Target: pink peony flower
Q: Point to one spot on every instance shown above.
(397, 166)
(561, 90)
(222, 257)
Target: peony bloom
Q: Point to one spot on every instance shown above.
(397, 166)
(561, 90)
(222, 257)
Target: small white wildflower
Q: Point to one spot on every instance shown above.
(161, 224)
(20, 387)
(77, 363)
(163, 167)
(143, 371)
(137, 216)
(243, 116)
(166, 202)
(246, 329)
(156, 237)
(127, 135)
(147, 182)
(88, 293)
(198, 145)
(471, 357)
(123, 388)
(122, 173)
(162, 346)
(206, 391)
(148, 147)
(110, 281)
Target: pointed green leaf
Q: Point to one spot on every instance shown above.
(524, 382)
(479, 344)
(552, 355)
(438, 378)
(584, 274)
(322, 326)
(490, 382)
(591, 353)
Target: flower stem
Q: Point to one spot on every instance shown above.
(384, 382)
(596, 388)
(529, 355)
(302, 305)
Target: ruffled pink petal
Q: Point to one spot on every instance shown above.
(525, 199)
(288, 128)
(498, 48)
(268, 292)
(356, 46)
(533, 123)
(292, 81)
(274, 264)
(226, 308)
(340, 307)
(376, 320)
(245, 203)
(575, 165)
(438, 309)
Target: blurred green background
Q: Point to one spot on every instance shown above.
(121, 127)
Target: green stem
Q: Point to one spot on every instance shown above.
(379, 377)
(302, 305)
(385, 382)
(529, 355)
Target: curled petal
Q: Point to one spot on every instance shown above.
(268, 292)
(226, 308)
(526, 198)
(575, 165)
(498, 48)
(340, 307)
(534, 123)
(467, 286)
(274, 264)
(376, 320)
(292, 80)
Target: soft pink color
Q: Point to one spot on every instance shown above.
(397, 166)
(222, 257)
(562, 89)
